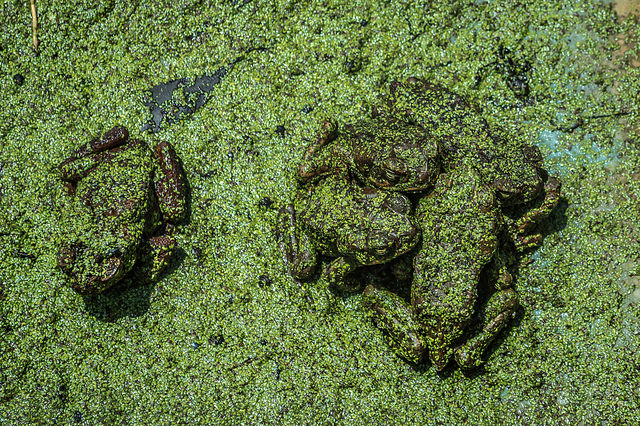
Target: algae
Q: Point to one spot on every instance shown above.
(216, 341)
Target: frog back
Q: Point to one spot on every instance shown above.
(120, 187)
(460, 222)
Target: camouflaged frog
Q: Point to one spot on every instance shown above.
(126, 200)
(449, 314)
(511, 167)
(381, 152)
(357, 225)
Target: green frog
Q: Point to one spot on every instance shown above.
(381, 152)
(510, 166)
(126, 201)
(450, 314)
(339, 218)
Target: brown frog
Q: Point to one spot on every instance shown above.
(127, 199)
(450, 314)
(356, 225)
(510, 166)
(381, 152)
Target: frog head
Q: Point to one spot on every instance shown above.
(93, 269)
(390, 154)
(516, 173)
(386, 231)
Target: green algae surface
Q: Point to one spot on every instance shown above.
(226, 335)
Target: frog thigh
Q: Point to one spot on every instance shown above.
(297, 248)
(169, 183)
(395, 316)
(495, 315)
(317, 162)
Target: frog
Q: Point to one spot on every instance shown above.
(126, 202)
(454, 311)
(513, 168)
(354, 224)
(381, 152)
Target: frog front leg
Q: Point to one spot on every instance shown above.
(337, 274)
(316, 161)
(521, 228)
(81, 162)
(395, 317)
(299, 253)
(495, 315)
(169, 183)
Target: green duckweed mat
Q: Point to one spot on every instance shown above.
(226, 335)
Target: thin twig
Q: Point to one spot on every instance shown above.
(34, 25)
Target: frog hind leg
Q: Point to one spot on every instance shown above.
(154, 255)
(338, 274)
(298, 252)
(494, 316)
(169, 183)
(395, 317)
(81, 162)
(522, 229)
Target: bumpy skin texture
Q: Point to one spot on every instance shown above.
(338, 218)
(504, 162)
(467, 241)
(127, 199)
(466, 237)
(381, 152)
(461, 223)
(511, 167)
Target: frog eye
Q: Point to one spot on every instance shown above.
(399, 204)
(111, 268)
(485, 198)
(378, 242)
(506, 187)
(394, 170)
(395, 164)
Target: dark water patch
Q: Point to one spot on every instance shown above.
(177, 99)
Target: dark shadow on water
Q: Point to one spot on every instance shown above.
(557, 220)
(125, 298)
(119, 301)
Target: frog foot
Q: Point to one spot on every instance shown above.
(170, 184)
(496, 314)
(394, 316)
(298, 252)
(155, 254)
(521, 230)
